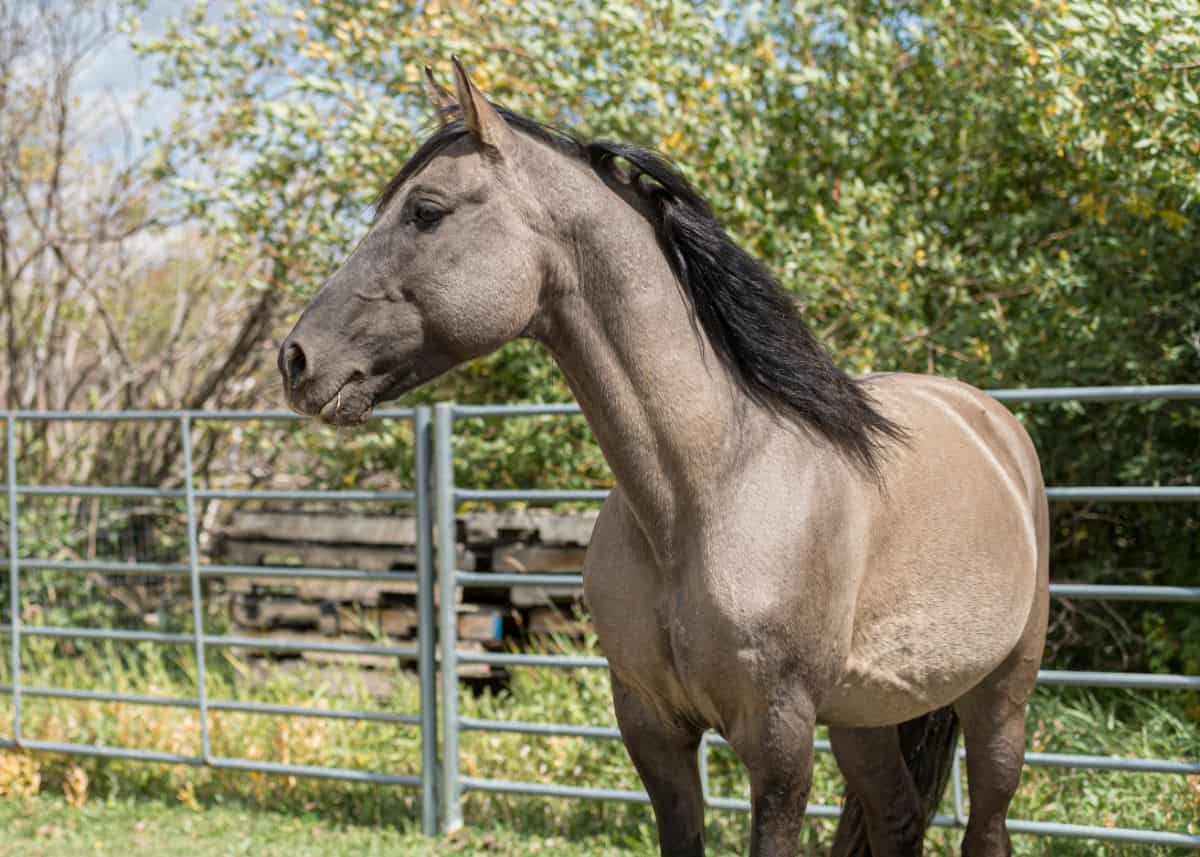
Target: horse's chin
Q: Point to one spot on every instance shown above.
(351, 405)
(355, 402)
(342, 417)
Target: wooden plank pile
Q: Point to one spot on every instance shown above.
(325, 610)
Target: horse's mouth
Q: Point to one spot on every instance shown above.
(351, 405)
(355, 401)
(335, 413)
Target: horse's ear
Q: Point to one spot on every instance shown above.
(485, 124)
(441, 99)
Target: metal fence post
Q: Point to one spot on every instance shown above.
(451, 803)
(14, 571)
(185, 425)
(426, 653)
(960, 812)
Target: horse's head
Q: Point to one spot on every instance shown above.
(452, 268)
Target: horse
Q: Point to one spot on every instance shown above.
(786, 545)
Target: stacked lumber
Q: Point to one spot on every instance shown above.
(377, 611)
(534, 541)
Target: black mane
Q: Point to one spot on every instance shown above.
(753, 324)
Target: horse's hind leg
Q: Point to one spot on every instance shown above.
(665, 755)
(992, 716)
(882, 789)
(994, 732)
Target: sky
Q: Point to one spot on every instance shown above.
(120, 84)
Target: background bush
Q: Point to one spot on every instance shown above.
(1001, 192)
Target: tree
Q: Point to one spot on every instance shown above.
(998, 191)
(108, 296)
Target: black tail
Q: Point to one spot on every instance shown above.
(928, 743)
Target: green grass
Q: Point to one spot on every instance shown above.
(110, 793)
(47, 826)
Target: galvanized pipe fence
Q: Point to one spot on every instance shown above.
(436, 498)
(423, 654)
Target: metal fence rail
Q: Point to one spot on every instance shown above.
(450, 495)
(436, 498)
(423, 653)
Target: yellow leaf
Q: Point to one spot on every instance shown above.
(187, 796)
(20, 776)
(75, 786)
(673, 144)
(1173, 219)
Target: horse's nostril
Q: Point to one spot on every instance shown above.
(296, 362)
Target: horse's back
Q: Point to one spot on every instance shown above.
(948, 421)
(956, 542)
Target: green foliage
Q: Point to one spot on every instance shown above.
(1003, 192)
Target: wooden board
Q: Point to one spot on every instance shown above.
(476, 670)
(362, 557)
(368, 592)
(573, 529)
(508, 540)
(316, 637)
(551, 620)
(378, 672)
(261, 614)
(534, 559)
(386, 530)
(535, 596)
(524, 558)
(397, 622)
(273, 617)
(524, 525)
(482, 623)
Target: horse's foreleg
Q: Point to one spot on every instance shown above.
(665, 755)
(878, 779)
(778, 752)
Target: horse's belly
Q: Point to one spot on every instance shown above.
(877, 689)
(913, 652)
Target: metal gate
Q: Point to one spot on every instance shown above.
(194, 571)
(436, 498)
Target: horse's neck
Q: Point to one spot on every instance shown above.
(669, 418)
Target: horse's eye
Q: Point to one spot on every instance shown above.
(426, 214)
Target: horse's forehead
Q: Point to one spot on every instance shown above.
(462, 169)
(459, 166)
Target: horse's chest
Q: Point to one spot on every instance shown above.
(699, 637)
(655, 643)
(704, 663)
(674, 652)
